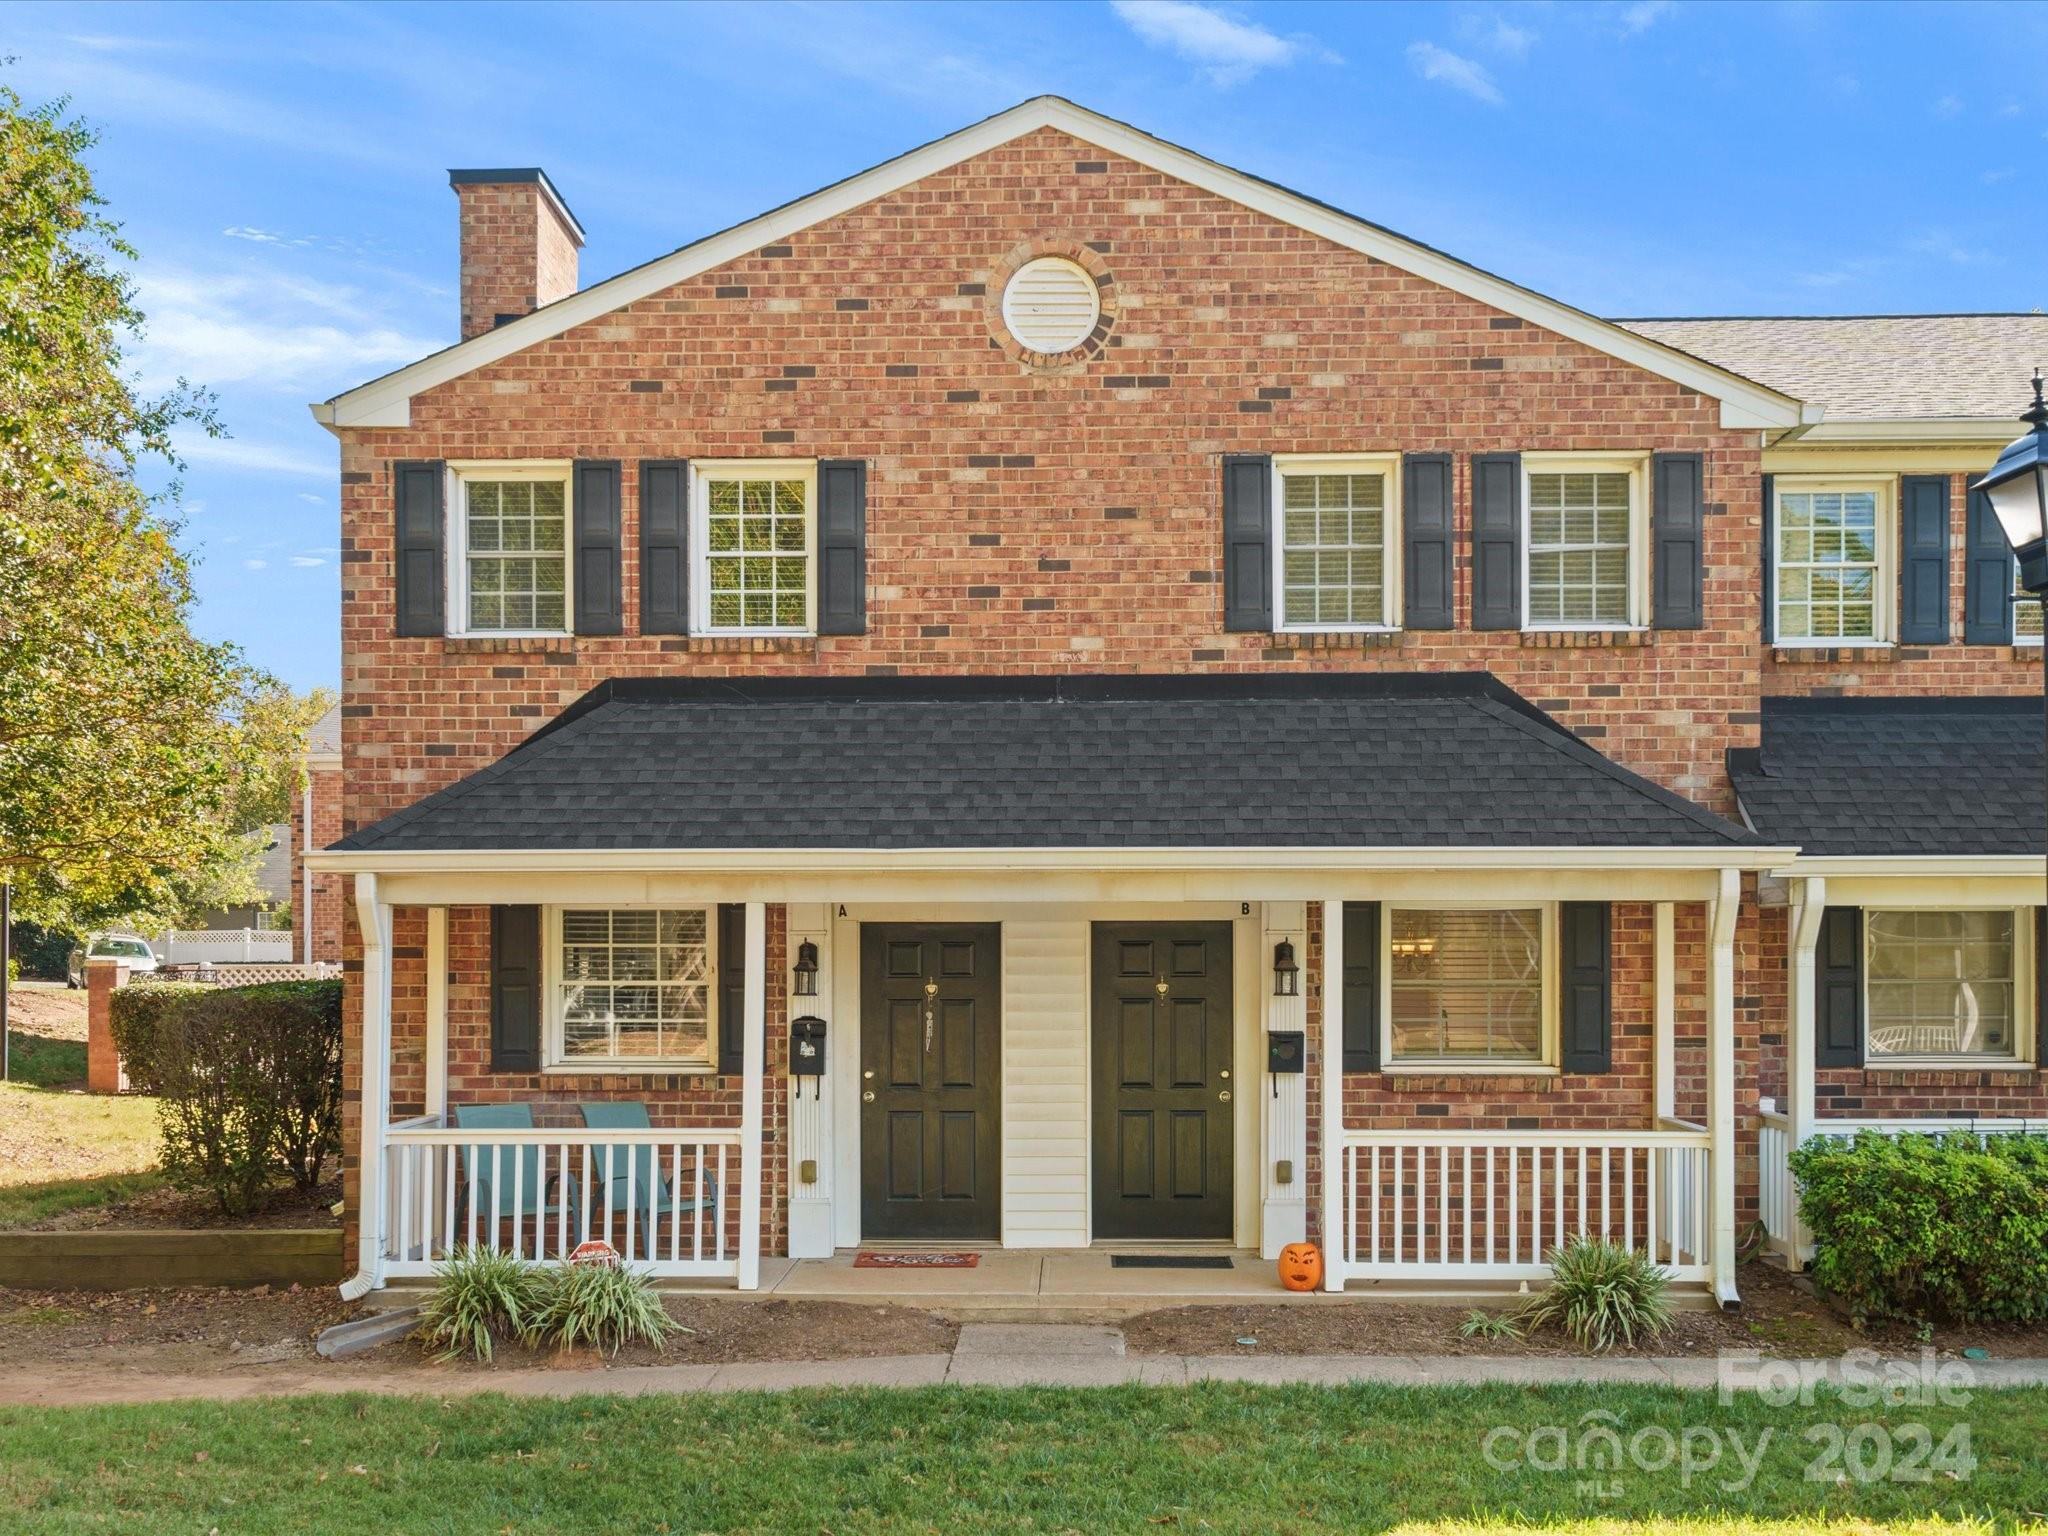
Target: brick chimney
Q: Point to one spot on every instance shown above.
(519, 245)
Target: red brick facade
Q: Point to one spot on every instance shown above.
(324, 919)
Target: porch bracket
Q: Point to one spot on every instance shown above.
(373, 917)
(1721, 1081)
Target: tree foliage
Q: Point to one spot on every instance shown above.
(129, 747)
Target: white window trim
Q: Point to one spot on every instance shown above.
(554, 1057)
(2017, 598)
(1637, 467)
(2024, 1003)
(1884, 604)
(1388, 467)
(461, 473)
(702, 472)
(1548, 1063)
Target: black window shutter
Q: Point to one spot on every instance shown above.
(732, 988)
(842, 547)
(1247, 541)
(515, 989)
(1987, 576)
(664, 547)
(1426, 516)
(421, 530)
(1678, 528)
(600, 600)
(1838, 989)
(1768, 523)
(1496, 541)
(1361, 986)
(1923, 560)
(1585, 934)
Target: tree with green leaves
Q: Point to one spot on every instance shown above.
(130, 749)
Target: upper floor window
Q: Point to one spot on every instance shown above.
(1830, 562)
(1585, 543)
(511, 537)
(1941, 985)
(1468, 986)
(1337, 529)
(754, 534)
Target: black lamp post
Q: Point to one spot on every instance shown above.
(2017, 488)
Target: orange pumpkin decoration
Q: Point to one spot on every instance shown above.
(1301, 1267)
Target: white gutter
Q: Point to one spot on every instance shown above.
(1983, 866)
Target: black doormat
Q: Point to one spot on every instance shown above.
(1169, 1261)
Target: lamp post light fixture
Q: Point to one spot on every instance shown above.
(1286, 974)
(806, 969)
(2017, 488)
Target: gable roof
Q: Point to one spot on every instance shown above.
(386, 401)
(1435, 761)
(1966, 370)
(323, 737)
(1871, 777)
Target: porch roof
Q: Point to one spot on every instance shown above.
(1901, 776)
(1091, 762)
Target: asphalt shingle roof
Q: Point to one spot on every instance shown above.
(1451, 760)
(1951, 777)
(1874, 367)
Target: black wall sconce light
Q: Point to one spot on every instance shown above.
(807, 969)
(1286, 974)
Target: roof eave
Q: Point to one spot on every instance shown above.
(1982, 866)
(386, 401)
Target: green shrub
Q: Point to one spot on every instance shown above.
(479, 1295)
(1938, 1228)
(602, 1305)
(1600, 1294)
(1495, 1326)
(249, 1078)
(44, 953)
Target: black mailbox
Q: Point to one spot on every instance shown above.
(1285, 1050)
(807, 1046)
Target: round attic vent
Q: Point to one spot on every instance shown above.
(1051, 305)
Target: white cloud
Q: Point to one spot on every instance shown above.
(1941, 245)
(1639, 17)
(257, 458)
(1495, 33)
(1454, 70)
(1949, 106)
(310, 498)
(307, 562)
(1993, 178)
(264, 236)
(1228, 49)
(255, 565)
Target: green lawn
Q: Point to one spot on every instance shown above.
(1215, 1457)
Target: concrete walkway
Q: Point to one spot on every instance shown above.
(988, 1354)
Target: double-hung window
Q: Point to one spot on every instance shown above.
(1469, 987)
(510, 535)
(1585, 542)
(755, 541)
(1337, 565)
(1830, 561)
(1944, 987)
(630, 987)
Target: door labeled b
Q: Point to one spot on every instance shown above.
(1163, 1089)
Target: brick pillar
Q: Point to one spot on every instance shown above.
(103, 1070)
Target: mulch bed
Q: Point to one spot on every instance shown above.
(1778, 1317)
(162, 1209)
(182, 1332)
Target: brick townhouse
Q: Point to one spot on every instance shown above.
(1054, 693)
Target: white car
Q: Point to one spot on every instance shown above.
(138, 956)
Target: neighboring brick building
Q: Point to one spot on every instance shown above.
(317, 897)
(1037, 584)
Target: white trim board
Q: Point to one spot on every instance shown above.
(387, 401)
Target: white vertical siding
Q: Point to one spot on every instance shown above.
(1045, 1084)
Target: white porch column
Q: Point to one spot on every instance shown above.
(1332, 1107)
(1283, 1218)
(1721, 1080)
(437, 1012)
(1809, 906)
(754, 1029)
(810, 1107)
(374, 918)
(1664, 1029)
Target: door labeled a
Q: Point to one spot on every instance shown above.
(1163, 1090)
(930, 1081)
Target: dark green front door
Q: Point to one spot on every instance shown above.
(930, 1080)
(1162, 1083)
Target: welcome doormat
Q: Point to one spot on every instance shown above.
(916, 1260)
(1169, 1261)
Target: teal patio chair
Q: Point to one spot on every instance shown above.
(650, 1195)
(523, 1193)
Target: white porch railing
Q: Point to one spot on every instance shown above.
(665, 1198)
(225, 946)
(1778, 1192)
(1490, 1205)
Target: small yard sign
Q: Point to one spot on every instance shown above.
(596, 1251)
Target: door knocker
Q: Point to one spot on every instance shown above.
(931, 990)
(1159, 987)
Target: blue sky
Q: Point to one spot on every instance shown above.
(282, 168)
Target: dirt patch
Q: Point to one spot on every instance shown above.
(185, 1332)
(46, 1008)
(175, 1208)
(1779, 1316)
